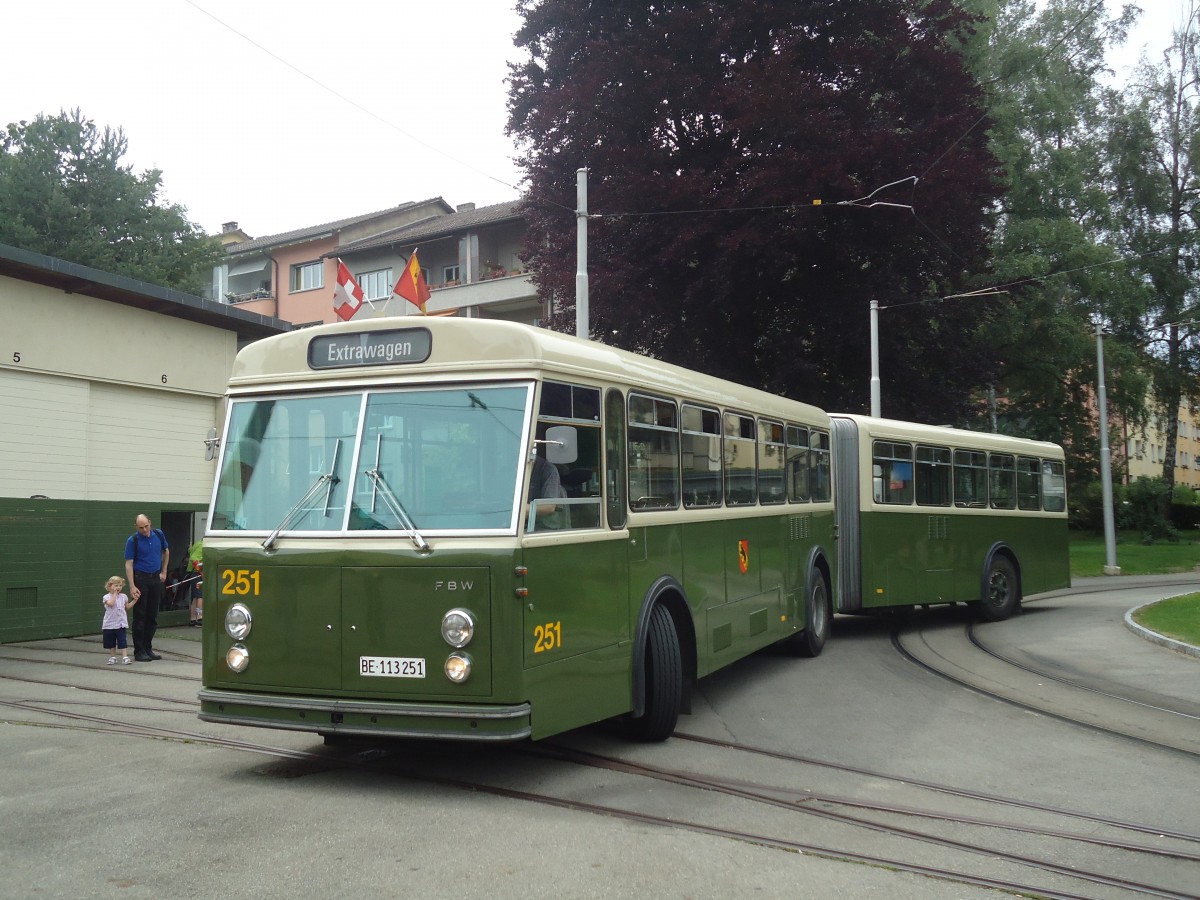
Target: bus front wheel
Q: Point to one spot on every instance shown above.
(1001, 591)
(664, 679)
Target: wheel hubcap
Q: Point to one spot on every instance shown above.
(999, 589)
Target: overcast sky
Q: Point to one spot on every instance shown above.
(280, 114)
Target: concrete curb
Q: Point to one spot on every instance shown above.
(1155, 638)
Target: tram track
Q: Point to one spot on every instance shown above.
(93, 642)
(975, 640)
(137, 669)
(780, 797)
(804, 803)
(1046, 693)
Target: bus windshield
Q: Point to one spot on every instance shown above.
(418, 460)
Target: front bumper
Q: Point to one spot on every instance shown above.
(370, 718)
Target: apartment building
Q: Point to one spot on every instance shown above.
(1145, 447)
(470, 257)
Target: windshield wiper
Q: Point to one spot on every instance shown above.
(392, 501)
(326, 482)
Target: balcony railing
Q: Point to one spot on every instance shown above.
(260, 294)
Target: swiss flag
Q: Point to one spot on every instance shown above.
(347, 295)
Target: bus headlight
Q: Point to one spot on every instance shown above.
(458, 628)
(458, 667)
(237, 622)
(237, 658)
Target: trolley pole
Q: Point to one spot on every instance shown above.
(1110, 541)
(581, 278)
(875, 403)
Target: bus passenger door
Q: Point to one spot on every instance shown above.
(575, 634)
(578, 599)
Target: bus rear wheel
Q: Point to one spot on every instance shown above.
(811, 641)
(664, 679)
(1001, 591)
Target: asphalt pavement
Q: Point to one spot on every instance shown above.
(109, 788)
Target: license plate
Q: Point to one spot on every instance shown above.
(391, 667)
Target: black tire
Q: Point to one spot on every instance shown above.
(1001, 591)
(817, 617)
(664, 679)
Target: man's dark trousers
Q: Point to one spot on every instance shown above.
(145, 611)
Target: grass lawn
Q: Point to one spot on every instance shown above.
(1134, 557)
(1178, 617)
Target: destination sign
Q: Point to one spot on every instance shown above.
(370, 348)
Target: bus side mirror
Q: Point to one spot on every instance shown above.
(562, 445)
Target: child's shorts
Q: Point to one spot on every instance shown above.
(114, 637)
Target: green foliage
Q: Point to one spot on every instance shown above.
(1143, 510)
(64, 193)
(1185, 508)
(1085, 506)
(1042, 66)
(704, 178)
(1154, 176)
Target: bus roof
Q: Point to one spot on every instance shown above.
(458, 348)
(892, 429)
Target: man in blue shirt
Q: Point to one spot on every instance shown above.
(146, 556)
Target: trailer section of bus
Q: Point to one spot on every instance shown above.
(939, 515)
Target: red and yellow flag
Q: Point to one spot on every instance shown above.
(411, 284)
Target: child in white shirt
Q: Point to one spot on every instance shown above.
(116, 620)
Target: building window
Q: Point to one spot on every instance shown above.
(449, 274)
(308, 276)
(376, 285)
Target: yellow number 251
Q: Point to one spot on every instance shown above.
(240, 582)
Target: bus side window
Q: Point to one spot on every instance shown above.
(970, 479)
(1054, 486)
(741, 486)
(933, 476)
(1002, 469)
(1029, 483)
(893, 463)
(797, 464)
(653, 453)
(701, 453)
(820, 471)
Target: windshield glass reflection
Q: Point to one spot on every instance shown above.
(450, 458)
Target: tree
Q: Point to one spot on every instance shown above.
(1156, 176)
(1043, 68)
(64, 193)
(711, 130)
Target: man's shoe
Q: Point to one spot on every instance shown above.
(141, 657)
(153, 655)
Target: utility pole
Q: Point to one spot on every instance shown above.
(875, 401)
(1106, 490)
(581, 278)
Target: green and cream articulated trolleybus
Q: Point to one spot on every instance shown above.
(470, 529)
(461, 528)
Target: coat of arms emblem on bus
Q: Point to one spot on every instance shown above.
(744, 556)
